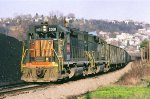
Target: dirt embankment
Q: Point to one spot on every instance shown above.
(138, 75)
(73, 88)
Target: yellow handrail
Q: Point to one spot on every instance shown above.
(91, 58)
(23, 59)
(24, 53)
(57, 58)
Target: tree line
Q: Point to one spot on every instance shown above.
(58, 18)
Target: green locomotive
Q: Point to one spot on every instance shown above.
(54, 52)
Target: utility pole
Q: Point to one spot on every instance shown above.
(141, 49)
(149, 50)
(144, 53)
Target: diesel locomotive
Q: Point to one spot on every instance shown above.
(54, 52)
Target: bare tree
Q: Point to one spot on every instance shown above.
(71, 16)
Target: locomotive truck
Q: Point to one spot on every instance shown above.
(54, 52)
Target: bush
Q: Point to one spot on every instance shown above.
(135, 76)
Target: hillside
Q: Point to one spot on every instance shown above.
(107, 26)
(18, 26)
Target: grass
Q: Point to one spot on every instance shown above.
(118, 92)
(135, 84)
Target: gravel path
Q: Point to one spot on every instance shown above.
(72, 88)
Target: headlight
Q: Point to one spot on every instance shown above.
(44, 28)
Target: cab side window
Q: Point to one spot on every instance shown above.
(61, 35)
(51, 35)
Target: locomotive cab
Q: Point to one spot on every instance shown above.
(43, 54)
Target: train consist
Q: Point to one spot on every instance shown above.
(54, 52)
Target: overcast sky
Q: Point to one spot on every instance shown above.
(138, 10)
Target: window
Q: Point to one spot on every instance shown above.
(51, 35)
(61, 35)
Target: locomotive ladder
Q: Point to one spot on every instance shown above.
(60, 60)
(90, 56)
(59, 54)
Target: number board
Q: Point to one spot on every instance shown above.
(37, 29)
(52, 29)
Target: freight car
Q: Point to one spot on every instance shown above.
(54, 52)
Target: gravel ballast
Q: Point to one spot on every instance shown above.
(73, 88)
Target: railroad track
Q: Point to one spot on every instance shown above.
(15, 88)
(25, 87)
(22, 87)
(71, 88)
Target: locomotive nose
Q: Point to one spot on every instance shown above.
(36, 72)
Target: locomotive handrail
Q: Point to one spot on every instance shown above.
(91, 59)
(57, 58)
(24, 53)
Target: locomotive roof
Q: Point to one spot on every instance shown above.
(92, 33)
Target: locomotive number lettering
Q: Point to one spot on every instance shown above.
(52, 29)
